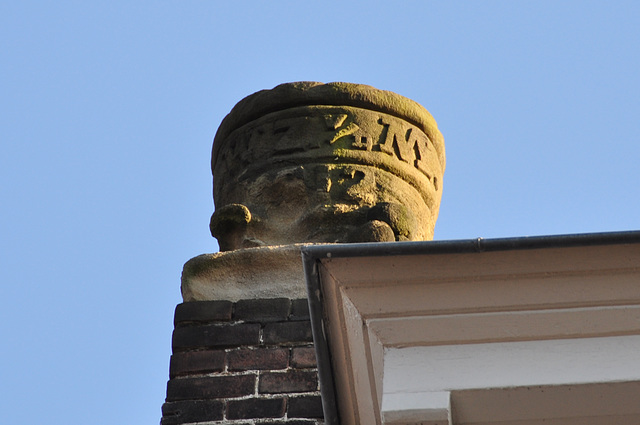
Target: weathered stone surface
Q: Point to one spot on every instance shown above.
(338, 162)
(311, 162)
(261, 272)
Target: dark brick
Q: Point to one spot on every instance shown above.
(216, 336)
(196, 362)
(210, 387)
(256, 408)
(287, 332)
(303, 357)
(202, 311)
(264, 310)
(258, 359)
(182, 412)
(299, 309)
(305, 407)
(288, 382)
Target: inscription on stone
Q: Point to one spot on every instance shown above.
(290, 136)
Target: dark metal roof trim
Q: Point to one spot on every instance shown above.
(323, 358)
(320, 251)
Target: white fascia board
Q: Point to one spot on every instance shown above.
(512, 364)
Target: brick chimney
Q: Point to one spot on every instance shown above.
(301, 163)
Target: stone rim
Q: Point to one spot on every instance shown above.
(307, 93)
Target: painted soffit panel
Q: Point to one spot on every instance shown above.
(452, 294)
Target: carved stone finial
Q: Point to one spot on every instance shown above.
(337, 162)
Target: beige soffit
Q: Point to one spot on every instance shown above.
(516, 331)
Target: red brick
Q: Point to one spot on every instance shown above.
(288, 382)
(287, 332)
(303, 357)
(258, 359)
(262, 310)
(182, 412)
(210, 387)
(254, 408)
(202, 311)
(193, 362)
(299, 309)
(305, 407)
(215, 336)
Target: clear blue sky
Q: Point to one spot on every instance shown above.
(108, 110)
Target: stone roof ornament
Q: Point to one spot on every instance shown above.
(311, 162)
(337, 162)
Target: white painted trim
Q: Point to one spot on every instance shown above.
(486, 328)
(511, 364)
(430, 408)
